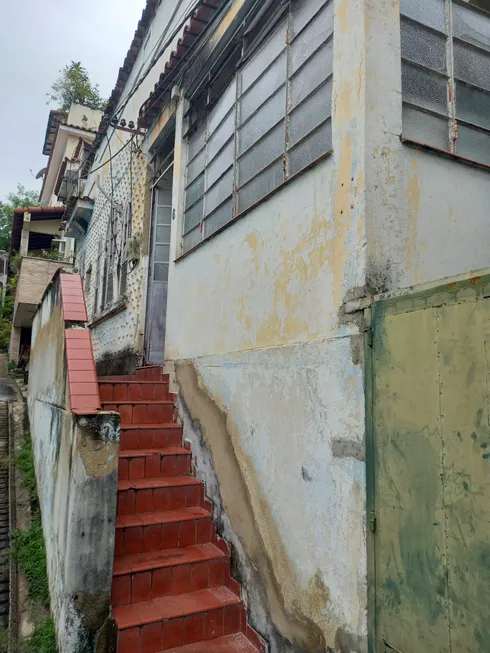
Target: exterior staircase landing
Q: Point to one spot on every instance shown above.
(172, 589)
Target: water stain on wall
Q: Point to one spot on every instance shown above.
(294, 612)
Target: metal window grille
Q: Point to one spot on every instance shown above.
(272, 121)
(445, 46)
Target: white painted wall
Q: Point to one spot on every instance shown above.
(428, 215)
(256, 310)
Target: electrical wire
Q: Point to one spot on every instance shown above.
(91, 171)
(138, 81)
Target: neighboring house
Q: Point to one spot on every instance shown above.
(33, 231)
(38, 232)
(283, 206)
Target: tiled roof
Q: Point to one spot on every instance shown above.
(54, 120)
(133, 52)
(198, 22)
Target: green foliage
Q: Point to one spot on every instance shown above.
(74, 85)
(28, 547)
(22, 197)
(43, 640)
(4, 639)
(25, 463)
(29, 552)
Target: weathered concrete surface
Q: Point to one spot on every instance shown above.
(76, 470)
(270, 371)
(427, 215)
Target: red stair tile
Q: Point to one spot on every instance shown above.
(172, 590)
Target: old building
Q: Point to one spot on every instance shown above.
(286, 207)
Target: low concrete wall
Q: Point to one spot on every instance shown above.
(76, 470)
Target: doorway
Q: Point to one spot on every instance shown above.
(158, 269)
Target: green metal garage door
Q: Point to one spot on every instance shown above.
(430, 471)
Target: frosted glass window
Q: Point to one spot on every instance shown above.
(219, 192)
(473, 144)
(221, 136)
(427, 76)
(272, 121)
(306, 152)
(303, 12)
(264, 87)
(316, 70)
(266, 117)
(424, 128)
(220, 217)
(428, 12)
(261, 155)
(263, 57)
(316, 33)
(421, 45)
(473, 105)
(260, 186)
(471, 26)
(310, 113)
(424, 89)
(471, 65)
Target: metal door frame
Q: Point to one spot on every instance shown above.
(470, 287)
(153, 225)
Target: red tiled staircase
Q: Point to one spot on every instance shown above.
(172, 590)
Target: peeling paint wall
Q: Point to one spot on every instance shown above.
(427, 214)
(76, 470)
(270, 379)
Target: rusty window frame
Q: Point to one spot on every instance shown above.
(315, 142)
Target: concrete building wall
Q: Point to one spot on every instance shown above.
(120, 334)
(118, 341)
(428, 214)
(270, 376)
(76, 470)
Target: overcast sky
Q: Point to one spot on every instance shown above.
(37, 38)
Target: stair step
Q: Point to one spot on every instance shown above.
(168, 529)
(134, 390)
(176, 621)
(147, 436)
(149, 372)
(148, 463)
(236, 643)
(168, 573)
(159, 494)
(142, 412)
(169, 558)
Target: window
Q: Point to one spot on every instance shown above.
(445, 49)
(271, 122)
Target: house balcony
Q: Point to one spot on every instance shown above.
(34, 276)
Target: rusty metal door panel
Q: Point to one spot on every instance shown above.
(412, 612)
(431, 444)
(463, 334)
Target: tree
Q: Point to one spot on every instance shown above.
(21, 198)
(74, 85)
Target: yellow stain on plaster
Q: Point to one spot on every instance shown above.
(298, 266)
(342, 16)
(225, 23)
(253, 242)
(413, 205)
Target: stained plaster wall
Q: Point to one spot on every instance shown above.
(118, 341)
(76, 471)
(122, 332)
(427, 215)
(270, 377)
